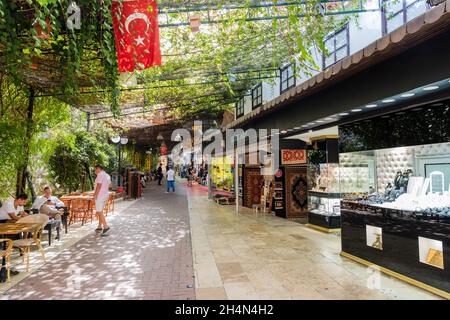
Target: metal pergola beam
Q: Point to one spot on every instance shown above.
(344, 8)
(260, 4)
(210, 21)
(162, 86)
(147, 111)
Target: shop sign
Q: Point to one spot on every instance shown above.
(290, 156)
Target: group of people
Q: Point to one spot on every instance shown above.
(13, 209)
(193, 174)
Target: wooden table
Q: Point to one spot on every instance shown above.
(17, 228)
(12, 229)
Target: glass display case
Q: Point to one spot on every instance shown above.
(395, 208)
(398, 201)
(323, 187)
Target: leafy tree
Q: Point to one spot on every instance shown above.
(73, 160)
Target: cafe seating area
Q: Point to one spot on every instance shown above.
(27, 233)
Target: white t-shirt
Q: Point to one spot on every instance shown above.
(37, 204)
(8, 207)
(170, 175)
(105, 180)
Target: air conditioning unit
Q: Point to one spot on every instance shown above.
(434, 3)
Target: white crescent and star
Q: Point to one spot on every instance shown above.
(139, 40)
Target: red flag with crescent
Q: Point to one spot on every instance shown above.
(137, 34)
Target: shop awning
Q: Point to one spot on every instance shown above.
(424, 27)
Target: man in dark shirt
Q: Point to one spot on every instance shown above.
(160, 174)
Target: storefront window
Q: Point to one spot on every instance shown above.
(413, 179)
(222, 173)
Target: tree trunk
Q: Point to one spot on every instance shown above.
(88, 174)
(22, 172)
(30, 185)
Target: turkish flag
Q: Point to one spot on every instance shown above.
(137, 34)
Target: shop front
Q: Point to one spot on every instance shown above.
(383, 177)
(291, 185)
(400, 217)
(222, 174)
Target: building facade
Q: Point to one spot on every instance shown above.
(381, 18)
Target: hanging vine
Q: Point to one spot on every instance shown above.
(38, 48)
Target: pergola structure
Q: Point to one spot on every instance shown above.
(204, 88)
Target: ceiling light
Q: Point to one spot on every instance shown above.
(344, 114)
(296, 128)
(320, 121)
(430, 88)
(304, 126)
(388, 100)
(356, 110)
(407, 95)
(371, 106)
(283, 131)
(329, 119)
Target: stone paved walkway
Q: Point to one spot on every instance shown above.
(234, 256)
(241, 256)
(147, 256)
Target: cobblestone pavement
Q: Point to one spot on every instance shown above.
(147, 256)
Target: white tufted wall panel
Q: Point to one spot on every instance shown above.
(438, 149)
(390, 161)
(354, 172)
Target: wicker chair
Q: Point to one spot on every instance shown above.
(109, 206)
(6, 254)
(24, 245)
(80, 209)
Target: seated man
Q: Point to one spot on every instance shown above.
(12, 210)
(49, 204)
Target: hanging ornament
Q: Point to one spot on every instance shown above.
(194, 23)
(163, 149)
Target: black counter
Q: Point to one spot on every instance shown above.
(324, 221)
(400, 232)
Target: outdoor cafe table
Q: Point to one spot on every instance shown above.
(13, 229)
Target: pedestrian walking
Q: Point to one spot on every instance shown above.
(170, 180)
(159, 174)
(190, 177)
(101, 195)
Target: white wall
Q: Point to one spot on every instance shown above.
(366, 31)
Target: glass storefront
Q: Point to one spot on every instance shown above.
(395, 189)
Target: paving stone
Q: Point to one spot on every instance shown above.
(144, 257)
